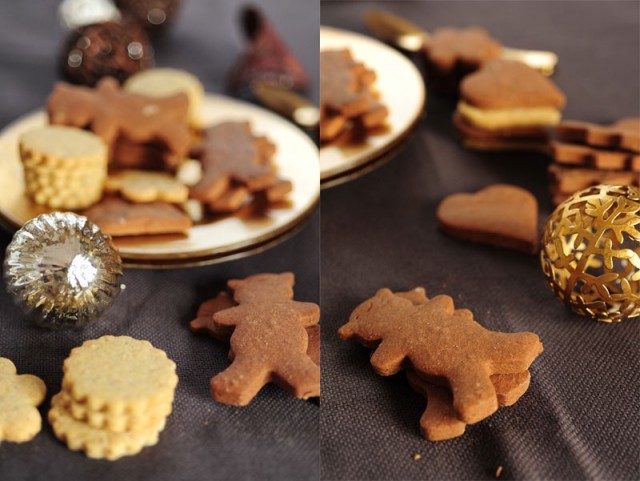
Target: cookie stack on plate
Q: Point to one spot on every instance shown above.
(116, 395)
(349, 102)
(64, 167)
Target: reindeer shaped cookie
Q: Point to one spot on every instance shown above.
(110, 112)
(442, 343)
(269, 342)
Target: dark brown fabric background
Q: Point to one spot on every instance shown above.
(579, 419)
(276, 436)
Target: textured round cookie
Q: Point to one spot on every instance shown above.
(58, 143)
(64, 167)
(20, 395)
(99, 443)
(164, 82)
(117, 423)
(119, 375)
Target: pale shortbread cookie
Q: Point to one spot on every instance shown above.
(119, 375)
(20, 395)
(64, 167)
(189, 172)
(164, 82)
(144, 186)
(194, 209)
(57, 143)
(112, 422)
(99, 443)
(492, 119)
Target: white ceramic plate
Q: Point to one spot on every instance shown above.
(232, 237)
(401, 88)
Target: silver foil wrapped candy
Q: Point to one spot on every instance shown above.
(62, 270)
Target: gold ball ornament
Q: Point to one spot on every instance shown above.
(591, 252)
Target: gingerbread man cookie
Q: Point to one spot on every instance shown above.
(269, 341)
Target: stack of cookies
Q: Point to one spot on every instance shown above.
(273, 338)
(465, 370)
(140, 131)
(64, 167)
(507, 105)
(587, 154)
(349, 105)
(116, 395)
(142, 134)
(453, 53)
(238, 169)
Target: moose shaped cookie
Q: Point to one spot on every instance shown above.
(113, 114)
(269, 342)
(442, 343)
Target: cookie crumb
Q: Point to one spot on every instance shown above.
(498, 471)
(417, 457)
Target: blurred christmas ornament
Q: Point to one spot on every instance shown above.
(152, 15)
(62, 270)
(78, 13)
(591, 252)
(267, 59)
(115, 49)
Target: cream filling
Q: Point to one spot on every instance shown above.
(504, 118)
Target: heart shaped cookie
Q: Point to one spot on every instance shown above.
(507, 84)
(501, 215)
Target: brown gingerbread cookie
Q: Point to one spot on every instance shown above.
(232, 199)
(269, 341)
(278, 191)
(623, 134)
(231, 153)
(501, 215)
(117, 217)
(331, 124)
(565, 181)
(448, 47)
(598, 158)
(112, 113)
(441, 342)
(342, 82)
(313, 348)
(204, 323)
(439, 420)
(348, 100)
(204, 318)
(507, 84)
